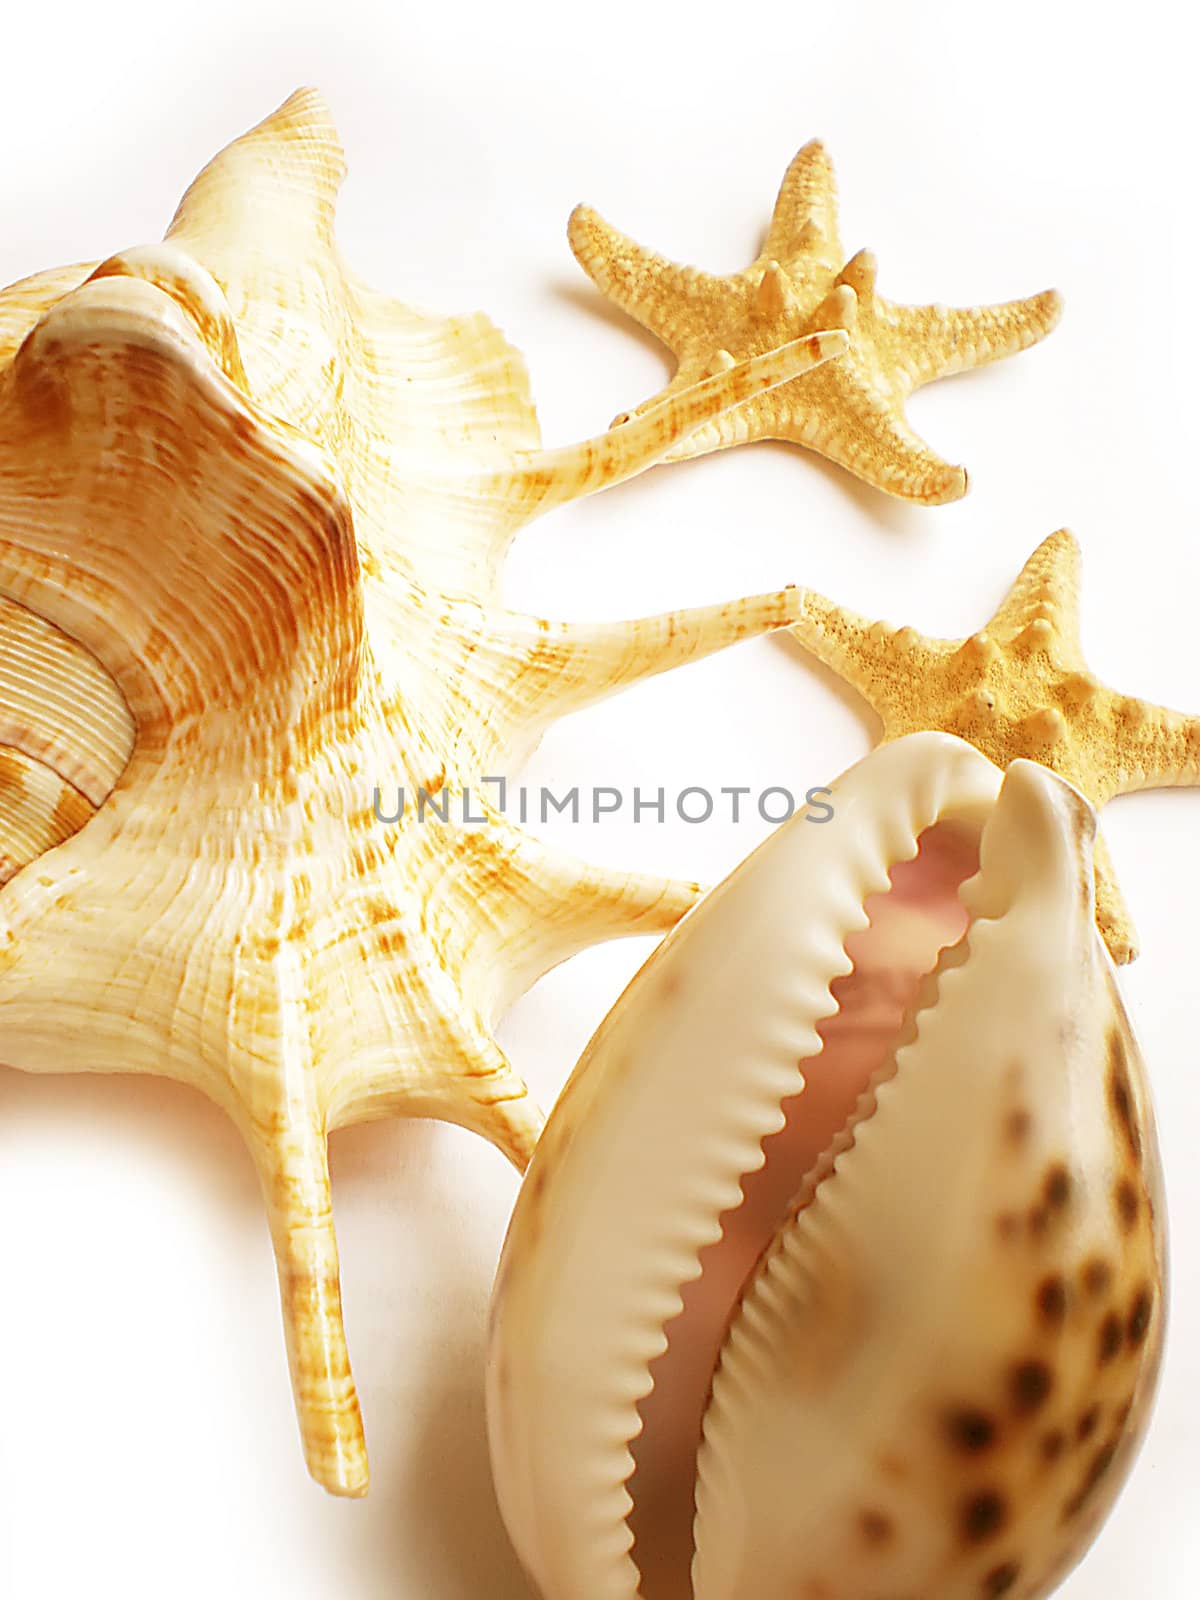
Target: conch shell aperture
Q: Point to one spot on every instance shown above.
(253, 516)
(939, 1368)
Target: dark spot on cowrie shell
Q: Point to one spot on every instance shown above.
(1008, 1225)
(1088, 1423)
(984, 1516)
(1029, 1385)
(1039, 1220)
(1125, 1198)
(1110, 1339)
(1140, 1314)
(1097, 1276)
(1053, 1444)
(1000, 1580)
(876, 1528)
(1057, 1188)
(971, 1431)
(1093, 1477)
(1052, 1300)
(1018, 1127)
(1120, 1095)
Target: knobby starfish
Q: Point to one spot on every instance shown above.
(252, 522)
(851, 412)
(1019, 687)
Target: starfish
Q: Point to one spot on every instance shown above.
(253, 520)
(1019, 687)
(853, 411)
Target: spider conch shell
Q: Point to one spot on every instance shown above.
(253, 516)
(941, 1364)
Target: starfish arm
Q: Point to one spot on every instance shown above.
(871, 657)
(935, 341)
(1155, 748)
(873, 441)
(1112, 915)
(1045, 599)
(804, 221)
(538, 480)
(660, 294)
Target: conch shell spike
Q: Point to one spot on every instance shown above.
(546, 478)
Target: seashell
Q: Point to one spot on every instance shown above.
(253, 516)
(849, 1220)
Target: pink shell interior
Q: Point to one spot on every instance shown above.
(910, 924)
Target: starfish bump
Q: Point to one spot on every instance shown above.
(1018, 687)
(852, 410)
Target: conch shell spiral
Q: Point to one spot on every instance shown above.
(929, 1376)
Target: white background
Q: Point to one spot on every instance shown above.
(147, 1443)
